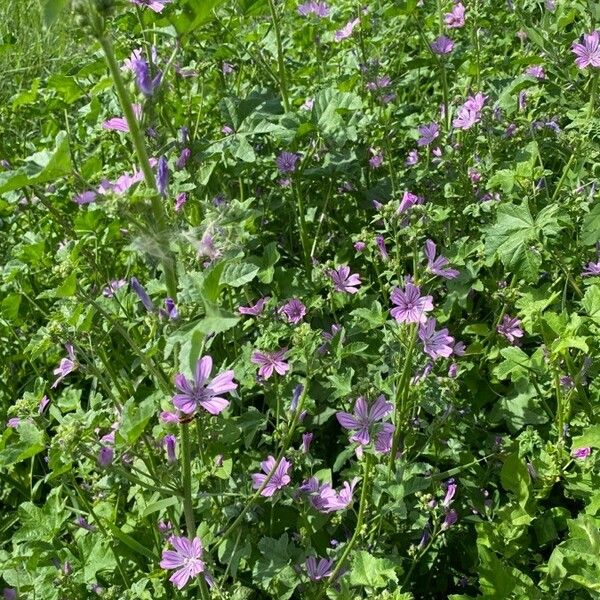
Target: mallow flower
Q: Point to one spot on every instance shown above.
(186, 558)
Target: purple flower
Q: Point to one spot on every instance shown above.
(380, 241)
(183, 158)
(13, 422)
(359, 246)
(43, 403)
(456, 18)
(450, 519)
(180, 201)
(536, 71)
(510, 328)
(278, 480)
(383, 440)
(476, 102)
(227, 68)
(186, 558)
(286, 162)
(269, 361)
(254, 310)
(592, 269)
(318, 493)
(428, 133)
(587, 53)
(346, 30)
(437, 265)
(306, 441)
(105, 456)
(294, 310)
(317, 571)
(81, 522)
(465, 118)
(343, 281)
(410, 306)
(435, 343)
(142, 294)
(201, 392)
(169, 417)
(85, 197)
(170, 311)
(143, 79)
(170, 442)
(581, 453)
(442, 45)
(67, 365)
(340, 500)
(364, 418)
(408, 201)
(450, 493)
(155, 5)
(377, 159)
(319, 9)
(162, 176)
(412, 159)
(113, 286)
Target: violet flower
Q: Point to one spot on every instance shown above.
(279, 479)
(319, 9)
(186, 558)
(510, 328)
(592, 269)
(294, 311)
(255, 309)
(437, 265)
(343, 281)
(581, 453)
(435, 343)
(342, 499)
(442, 45)
(183, 158)
(412, 158)
(456, 18)
(142, 294)
(202, 392)
(162, 176)
(410, 306)
(380, 241)
(170, 443)
(588, 53)
(270, 361)
(306, 441)
(286, 162)
(318, 571)
(346, 31)
(365, 420)
(143, 79)
(408, 201)
(450, 519)
(155, 5)
(67, 365)
(112, 287)
(105, 456)
(428, 133)
(536, 71)
(180, 201)
(42, 404)
(450, 493)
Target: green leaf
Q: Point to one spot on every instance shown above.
(591, 302)
(136, 415)
(51, 10)
(590, 438)
(30, 443)
(515, 478)
(238, 274)
(369, 571)
(42, 167)
(194, 14)
(160, 505)
(515, 364)
(515, 232)
(590, 230)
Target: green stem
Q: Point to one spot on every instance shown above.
(284, 447)
(186, 470)
(402, 395)
(302, 227)
(280, 63)
(140, 149)
(359, 525)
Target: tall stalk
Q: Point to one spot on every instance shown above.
(280, 61)
(158, 212)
